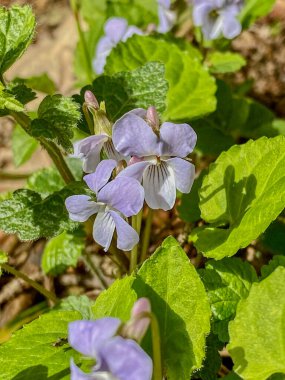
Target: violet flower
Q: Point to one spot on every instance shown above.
(122, 197)
(158, 155)
(116, 30)
(89, 151)
(117, 358)
(218, 17)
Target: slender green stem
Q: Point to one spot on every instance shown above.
(33, 283)
(16, 176)
(146, 235)
(119, 258)
(89, 70)
(52, 149)
(136, 224)
(94, 269)
(156, 348)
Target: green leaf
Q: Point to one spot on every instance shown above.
(178, 300)
(61, 252)
(236, 116)
(41, 83)
(189, 82)
(212, 362)
(20, 91)
(31, 217)
(242, 194)
(273, 238)
(16, 33)
(3, 260)
(277, 261)
(23, 146)
(139, 88)
(8, 102)
(45, 181)
(81, 304)
(253, 10)
(189, 209)
(225, 62)
(257, 341)
(57, 117)
(40, 350)
(226, 282)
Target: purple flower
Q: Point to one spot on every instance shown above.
(122, 197)
(117, 358)
(217, 17)
(158, 155)
(89, 151)
(166, 16)
(116, 30)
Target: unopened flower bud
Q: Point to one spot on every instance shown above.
(90, 100)
(139, 322)
(152, 119)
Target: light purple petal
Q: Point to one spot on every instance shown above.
(132, 136)
(184, 172)
(215, 28)
(178, 139)
(131, 31)
(80, 207)
(135, 170)
(103, 229)
(103, 49)
(88, 337)
(201, 12)
(115, 28)
(159, 185)
(125, 194)
(89, 150)
(127, 360)
(231, 25)
(77, 374)
(138, 325)
(166, 16)
(127, 237)
(97, 180)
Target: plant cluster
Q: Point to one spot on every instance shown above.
(157, 124)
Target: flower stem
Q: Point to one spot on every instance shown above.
(52, 149)
(119, 258)
(156, 348)
(34, 284)
(136, 224)
(89, 71)
(146, 235)
(94, 269)
(88, 119)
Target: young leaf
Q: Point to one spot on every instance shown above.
(40, 350)
(257, 341)
(189, 82)
(227, 282)
(242, 194)
(31, 217)
(180, 306)
(21, 92)
(61, 252)
(23, 146)
(225, 62)
(17, 31)
(57, 116)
